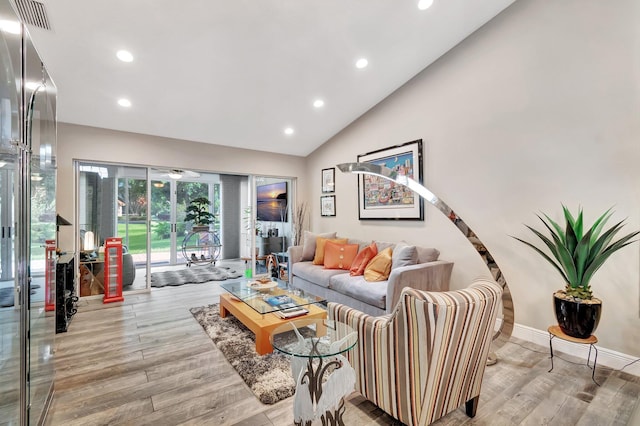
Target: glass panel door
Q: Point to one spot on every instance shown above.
(41, 138)
(163, 233)
(10, 315)
(185, 192)
(112, 202)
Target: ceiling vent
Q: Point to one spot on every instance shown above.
(33, 13)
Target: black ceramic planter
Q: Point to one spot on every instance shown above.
(577, 319)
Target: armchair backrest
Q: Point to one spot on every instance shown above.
(428, 357)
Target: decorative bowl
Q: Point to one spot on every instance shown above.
(264, 287)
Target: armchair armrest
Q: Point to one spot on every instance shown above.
(430, 276)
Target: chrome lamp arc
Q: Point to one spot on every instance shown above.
(506, 327)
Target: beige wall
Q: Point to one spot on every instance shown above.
(539, 107)
(90, 143)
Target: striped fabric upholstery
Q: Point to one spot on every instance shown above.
(428, 357)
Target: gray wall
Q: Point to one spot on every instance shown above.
(231, 215)
(537, 108)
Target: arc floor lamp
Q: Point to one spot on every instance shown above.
(506, 328)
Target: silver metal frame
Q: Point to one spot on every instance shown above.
(506, 327)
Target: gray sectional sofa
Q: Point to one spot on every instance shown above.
(419, 268)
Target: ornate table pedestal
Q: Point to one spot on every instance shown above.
(323, 375)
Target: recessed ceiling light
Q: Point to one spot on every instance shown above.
(124, 102)
(362, 63)
(11, 27)
(425, 4)
(124, 55)
(288, 131)
(318, 103)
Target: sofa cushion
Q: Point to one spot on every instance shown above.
(339, 256)
(404, 255)
(309, 243)
(384, 244)
(374, 294)
(362, 259)
(380, 266)
(314, 273)
(427, 254)
(318, 258)
(361, 243)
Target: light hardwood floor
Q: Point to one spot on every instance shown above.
(147, 361)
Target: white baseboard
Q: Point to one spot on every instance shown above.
(606, 357)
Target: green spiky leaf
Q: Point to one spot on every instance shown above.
(577, 255)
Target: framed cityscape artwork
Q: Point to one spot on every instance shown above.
(382, 199)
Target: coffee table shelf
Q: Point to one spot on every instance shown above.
(250, 308)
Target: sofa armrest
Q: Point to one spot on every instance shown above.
(295, 255)
(430, 276)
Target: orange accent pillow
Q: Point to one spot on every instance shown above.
(362, 259)
(339, 256)
(380, 266)
(318, 259)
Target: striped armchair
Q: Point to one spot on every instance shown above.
(426, 358)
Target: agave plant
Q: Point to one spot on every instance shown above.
(578, 255)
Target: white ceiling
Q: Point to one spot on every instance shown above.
(238, 72)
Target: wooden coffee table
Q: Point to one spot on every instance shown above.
(262, 324)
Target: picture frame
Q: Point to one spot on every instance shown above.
(382, 199)
(328, 205)
(328, 180)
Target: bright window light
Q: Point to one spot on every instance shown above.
(11, 27)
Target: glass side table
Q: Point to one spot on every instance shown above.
(322, 373)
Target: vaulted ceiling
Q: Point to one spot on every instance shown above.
(239, 72)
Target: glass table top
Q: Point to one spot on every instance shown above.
(271, 297)
(313, 338)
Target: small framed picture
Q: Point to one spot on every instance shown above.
(328, 205)
(328, 180)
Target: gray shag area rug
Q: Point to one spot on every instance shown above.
(193, 275)
(268, 376)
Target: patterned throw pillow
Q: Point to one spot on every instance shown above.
(362, 259)
(318, 259)
(339, 256)
(380, 266)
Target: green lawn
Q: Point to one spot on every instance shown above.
(138, 238)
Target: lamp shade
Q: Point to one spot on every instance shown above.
(61, 221)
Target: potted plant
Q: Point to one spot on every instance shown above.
(577, 255)
(198, 213)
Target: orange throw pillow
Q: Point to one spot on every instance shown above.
(362, 259)
(318, 259)
(380, 266)
(339, 256)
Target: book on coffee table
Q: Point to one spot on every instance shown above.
(296, 311)
(281, 302)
